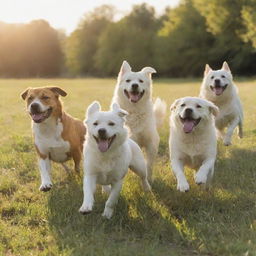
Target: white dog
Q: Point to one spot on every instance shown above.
(134, 94)
(192, 139)
(108, 154)
(218, 87)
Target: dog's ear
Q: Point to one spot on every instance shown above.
(25, 93)
(213, 108)
(207, 69)
(93, 108)
(120, 112)
(58, 91)
(174, 104)
(148, 70)
(124, 69)
(225, 66)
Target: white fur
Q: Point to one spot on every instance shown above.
(144, 116)
(50, 143)
(110, 167)
(38, 101)
(196, 149)
(231, 112)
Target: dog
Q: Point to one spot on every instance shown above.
(108, 154)
(57, 136)
(218, 87)
(192, 140)
(133, 93)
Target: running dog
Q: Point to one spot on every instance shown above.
(218, 87)
(57, 136)
(108, 154)
(192, 140)
(133, 93)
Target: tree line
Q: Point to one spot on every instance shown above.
(177, 44)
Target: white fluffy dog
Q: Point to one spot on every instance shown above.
(134, 94)
(218, 87)
(108, 153)
(192, 139)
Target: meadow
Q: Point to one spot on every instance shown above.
(221, 221)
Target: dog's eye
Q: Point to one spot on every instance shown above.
(95, 123)
(223, 76)
(141, 81)
(30, 98)
(183, 105)
(198, 106)
(128, 81)
(111, 123)
(45, 97)
(212, 77)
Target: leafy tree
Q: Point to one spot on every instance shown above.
(82, 44)
(231, 23)
(183, 43)
(248, 14)
(132, 38)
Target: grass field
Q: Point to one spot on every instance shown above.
(221, 221)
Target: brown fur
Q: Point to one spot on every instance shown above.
(73, 129)
(74, 132)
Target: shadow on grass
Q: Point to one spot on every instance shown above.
(136, 227)
(220, 220)
(214, 222)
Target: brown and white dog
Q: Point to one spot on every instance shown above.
(57, 135)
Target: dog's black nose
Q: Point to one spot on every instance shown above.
(135, 87)
(102, 132)
(35, 108)
(217, 82)
(188, 111)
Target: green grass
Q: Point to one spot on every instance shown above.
(221, 221)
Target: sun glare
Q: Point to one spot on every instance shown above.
(66, 14)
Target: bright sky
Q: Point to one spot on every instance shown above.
(65, 14)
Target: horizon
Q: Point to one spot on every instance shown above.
(28, 10)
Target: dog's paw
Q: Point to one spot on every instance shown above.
(227, 143)
(45, 187)
(108, 212)
(85, 209)
(183, 186)
(200, 178)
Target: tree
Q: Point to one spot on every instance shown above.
(234, 30)
(183, 43)
(29, 50)
(132, 38)
(82, 44)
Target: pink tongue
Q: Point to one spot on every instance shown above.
(188, 126)
(37, 117)
(218, 91)
(103, 145)
(134, 97)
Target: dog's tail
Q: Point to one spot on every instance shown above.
(159, 111)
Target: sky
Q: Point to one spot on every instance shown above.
(66, 14)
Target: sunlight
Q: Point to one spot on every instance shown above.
(66, 14)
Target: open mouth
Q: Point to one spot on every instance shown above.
(218, 90)
(134, 96)
(104, 143)
(40, 117)
(189, 123)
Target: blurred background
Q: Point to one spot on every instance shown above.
(53, 38)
